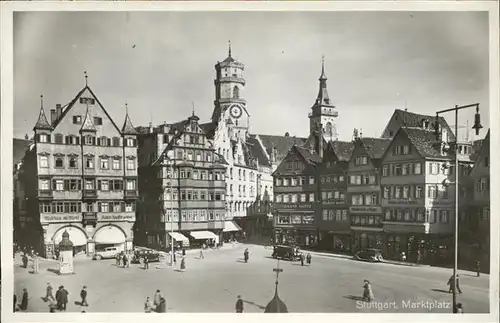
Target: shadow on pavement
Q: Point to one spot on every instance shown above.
(354, 298)
(440, 290)
(54, 271)
(240, 260)
(470, 275)
(255, 304)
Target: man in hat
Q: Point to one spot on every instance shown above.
(239, 305)
(49, 294)
(83, 295)
(451, 283)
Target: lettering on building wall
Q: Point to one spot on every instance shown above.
(61, 218)
(404, 201)
(115, 217)
(333, 202)
(365, 209)
(293, 206)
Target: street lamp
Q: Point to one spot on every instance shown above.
(477, 126)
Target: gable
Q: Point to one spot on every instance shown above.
(360, 151)
(484, 153)
(293, 156)
(401, 139)
(77, 108)
(394, 123)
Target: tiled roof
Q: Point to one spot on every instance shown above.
(375, 147)
(42, 122)
(342, 149)
(19, 149)
(410, 119)
(310, 157)
(281, 143)
(424, 141)
(257, 151)
(128, 128)
(209, 129)
(247, 154)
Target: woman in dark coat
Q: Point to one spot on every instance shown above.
(24, 301)
(308, 258)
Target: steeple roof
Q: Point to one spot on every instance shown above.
(88, 123)
(128, 128)
(42, 122)
(323, 98)
(230, 61)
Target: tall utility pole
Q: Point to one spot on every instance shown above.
(477, 126)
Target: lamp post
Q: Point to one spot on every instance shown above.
(477, 126)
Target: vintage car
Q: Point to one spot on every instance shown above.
(286, 252)
(140, 254)
(371, 255)
(107, 253)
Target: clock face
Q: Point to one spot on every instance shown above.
(235, 111)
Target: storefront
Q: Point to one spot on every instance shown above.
(179, 240)
(198, 238)
(110, 236)
(363, 238)
(232, 231)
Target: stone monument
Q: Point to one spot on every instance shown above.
(66, 255)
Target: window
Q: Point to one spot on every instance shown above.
(130, 142)
(397, 192)
(285, 180)
(129, 207)
(98, 121)
(43, 184)
(303, 197)
(482, 184)
(418, 192)
(325, 215)
(397, 150)
(45, 208)
(59, 162)
(279, 198)
(285, 198)
(130, 164)
(369, 200)
(397, 170)
(357, 199)
(89, 184)
(444, 192)
(355, 179)
(444, 216)
(104, 163)
(44, 161)
(386, 192)
(72, 162)
(293, 181)
(385, 170)
(43, 138)
(387, 215)
(311, 180)
(311, 197)
(130, 185)
(432, 192)
(406, 150)
(420, 215)
(58, 138)
(406, 169)
(89, 162)
(116, 142)
(103, 207)
(406, 192)
(104, 185)
(407, 215)
(116, 163)
(361, 160)
(486, 213)
(418, 168)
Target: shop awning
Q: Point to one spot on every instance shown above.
(199, 235)
(231, 226)
(178, 236)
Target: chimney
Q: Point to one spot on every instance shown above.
(53, 116)
(320, 142)
(58, 111)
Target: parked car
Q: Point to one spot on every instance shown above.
(286, 252)
(152, 255)
(107, 253)
(371, 255)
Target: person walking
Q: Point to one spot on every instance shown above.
(117, 257)
(309, 259)
(49, 294)
(183, 264)
(201, 254)
(368, 292)
(163, 306)
(246, 255)
(451, 283)
(146, 263)
(157, 299)
(183, 252)
(460, 308)
(478, 268)
(59, 299)
(239, 305)
(24, 300)
(147, 305)
(15, 303)
(64, 298)
(83, 295)
(301, 259)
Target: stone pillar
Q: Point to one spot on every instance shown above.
(90, 248)
(129, 245)
(66, 255)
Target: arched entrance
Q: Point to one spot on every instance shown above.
(76, 235)
(110, 236)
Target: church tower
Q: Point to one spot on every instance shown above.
(323, 112)
(229, 102)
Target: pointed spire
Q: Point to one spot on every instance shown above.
(229, 48)
(128, 128)
(88, 123)
(86, 78)
(42, 122)
(193, 108)
(323, 75)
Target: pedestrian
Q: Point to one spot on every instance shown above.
(201, 255)
(239, 305)
(451, 283)
(52, 305)
(460, 308)
(183, 264)
(183, 251)
(308, 259)
(117, 257)
(478, 268)
(368, 292)
(125, 261)
(15, 302)
(64, 298)
(157, 299)
(146, 263)
(147, 305)
(163, 306)
(59, 299)
(246, 255)
(24, 300)
(49, 293)
(175, 258)
(83, 295)
(301, 259)
(25, 261)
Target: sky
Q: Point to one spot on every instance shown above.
(161, 62)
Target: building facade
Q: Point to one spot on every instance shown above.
(85, 171)
(182, 186)
(333, 219)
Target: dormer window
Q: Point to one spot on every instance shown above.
(87, 101)
(98, 121)
(43, 138)
(77, 119)
(425, 124)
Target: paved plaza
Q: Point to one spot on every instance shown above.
(212, 284)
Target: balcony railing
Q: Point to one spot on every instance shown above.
(44, 194)
(89, 193)
(131, 194)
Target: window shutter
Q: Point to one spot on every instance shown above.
(53, 184)
(66, 185)
(99, 185)
(109, 141)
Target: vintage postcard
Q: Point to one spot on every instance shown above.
(246, 158)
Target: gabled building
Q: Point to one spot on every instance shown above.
(333, 218)
(418, 207)
(404, 118)
(182, 186)
(363, 191)
(84, 168)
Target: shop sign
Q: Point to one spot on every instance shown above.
(116, 217)
(46, 218)
(365, 209)
(335, 202)
(293, 206)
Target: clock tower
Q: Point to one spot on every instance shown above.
(323, 111)
(229, 102)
